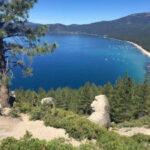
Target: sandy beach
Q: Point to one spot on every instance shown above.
(145, 52)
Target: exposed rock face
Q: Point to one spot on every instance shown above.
(49, 101)
(101, 108)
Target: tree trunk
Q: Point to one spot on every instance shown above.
(4, 92)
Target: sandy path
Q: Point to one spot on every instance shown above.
(132, 131)
(17, 128)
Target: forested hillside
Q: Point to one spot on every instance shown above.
(135, 28)
(128, 100)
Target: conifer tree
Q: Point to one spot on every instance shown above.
(122, 100)
(14, 25)
(59, 98)
(107, 89)
(144, 100)
(87, 96)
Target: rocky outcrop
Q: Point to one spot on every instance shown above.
(49, 101)
(101, 114)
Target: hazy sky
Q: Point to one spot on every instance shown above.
(85, 11)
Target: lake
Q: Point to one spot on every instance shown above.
(82, 58)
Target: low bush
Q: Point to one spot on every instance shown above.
(81, 128)
(143, 139)
(29, 143)
(38, 113)
(143, 121)
(113, 141)
(77, 127)
(14, 112)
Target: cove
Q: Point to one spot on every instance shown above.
(83, 58)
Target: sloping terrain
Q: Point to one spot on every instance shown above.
(11, 127)
(130, 131)
(134, 28)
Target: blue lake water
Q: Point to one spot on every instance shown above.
(82, 58)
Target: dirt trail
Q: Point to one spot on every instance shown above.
(132, 131)
(17, 128)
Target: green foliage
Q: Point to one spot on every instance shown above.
(25, 40)
(33, 144)
(15, 112)
(77, 127)
(86, 98)
(128, 100)
(38, 113)
(66, 98)
(143, 139)
(122, 100)
(143, 103)
(143, 121)
(112, 141)
(29, 143)
(81, 128)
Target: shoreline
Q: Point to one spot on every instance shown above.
(144, 51)
(139, 47)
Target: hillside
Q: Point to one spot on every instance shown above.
(135, 28)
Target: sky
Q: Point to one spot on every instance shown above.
(84, 11)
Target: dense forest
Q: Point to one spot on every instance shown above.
(128, 99)
(135, 28)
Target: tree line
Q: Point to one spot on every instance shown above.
(128, 99)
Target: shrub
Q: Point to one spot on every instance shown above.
(38, 113)
(112, 141)
(143, 139)
(143, 121)
(29, 143)
(81, 128)
(77, 127)
(14, 112)
(25, 107)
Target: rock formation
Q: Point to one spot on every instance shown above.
(49, 101)
(101, 108)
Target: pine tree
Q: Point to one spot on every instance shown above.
(122, 100)
(41, 93)
(13, 25)
(59, 98)
(107, 89)
(87, 96)
(144, 100)
(96, 90)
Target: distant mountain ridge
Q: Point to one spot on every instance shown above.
(135, 28)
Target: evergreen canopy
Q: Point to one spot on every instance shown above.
(14, 26)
